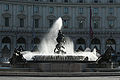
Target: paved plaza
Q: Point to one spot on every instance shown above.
(60, 78)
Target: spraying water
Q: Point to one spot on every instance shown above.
(69, 46)
(48, 44)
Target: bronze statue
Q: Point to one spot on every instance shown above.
(17, 57)
(106, 57)
(61, 37)
(60, 40)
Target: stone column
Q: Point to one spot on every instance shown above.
(28, 42)
(13, 44)
(117, 45)
(102, 45)
(88, 41)
(0, 45)
(74, 42)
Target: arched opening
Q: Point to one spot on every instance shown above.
(80, 44)
(21, 43)
(112, 43)
(6, 47)
(95, 43)
(35, 42)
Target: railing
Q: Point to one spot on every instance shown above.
(46, 29)
(61, 2)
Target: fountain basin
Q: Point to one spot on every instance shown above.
(77, 56)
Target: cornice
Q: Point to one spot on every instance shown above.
(51, 17)
(6, 15)
(21, 16)
(96, 18)
(81, 18)
(66, 17)
(60, 3)
(111, 17)
(65, 32)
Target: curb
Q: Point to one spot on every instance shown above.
(60, 74)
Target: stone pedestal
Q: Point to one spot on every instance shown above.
(52, 67)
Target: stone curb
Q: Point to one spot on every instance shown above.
(60, 74)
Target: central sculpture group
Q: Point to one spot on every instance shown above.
(60, 41)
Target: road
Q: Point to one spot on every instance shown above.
(60, 78)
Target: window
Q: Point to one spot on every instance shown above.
(66, 1)
(111, 23)
(81, 10)
(80, 1)
(6, 41)
(111, 42)
(111, 10)
(6, 7)
(80, 44)
(95, 24)
(95, 10)
(21, 22)
(51, 10)
(110, 1)
(36, 9)
(35, 41)
(6, 21)
(51, 0)
(95, 43)
(38, 0)
(95, 1)
(65, 23)
(36, 23)
(21, 8)
(50, 23)
(80, 24)
(66, 10)
(21, 43)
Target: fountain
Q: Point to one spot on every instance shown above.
(55, 47)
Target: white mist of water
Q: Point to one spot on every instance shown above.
(48, 43)
(69, 46)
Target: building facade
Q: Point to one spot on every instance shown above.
(24, 23)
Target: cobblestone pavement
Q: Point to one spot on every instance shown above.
(60, 78)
